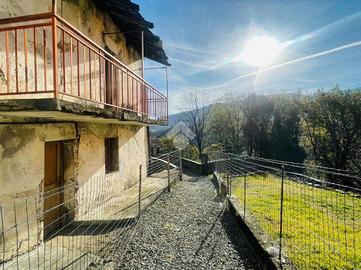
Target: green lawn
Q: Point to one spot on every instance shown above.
(321, 227)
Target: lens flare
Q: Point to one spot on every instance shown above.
(260, 51)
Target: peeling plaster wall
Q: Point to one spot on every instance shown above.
(92, 22)
(133, 151)
(22, 156)
(23, 7)
(22, 145)
(21, 179)
(82, 14)
(22, 169)
(132, 141)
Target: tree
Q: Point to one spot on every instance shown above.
(332, 128)
(227, 121)
(266, 126)
(286, 131)
(197, 118)
(258, 113)
(166, 144)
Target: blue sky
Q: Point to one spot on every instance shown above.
(203, 39)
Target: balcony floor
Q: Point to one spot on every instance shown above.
(58, 110)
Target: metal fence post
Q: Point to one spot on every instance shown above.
(230, 187)
(227, 179)
(281, 214)
(3, 237)
(140, 190)
(168, 171)
(230, 177)
(180, 165)
(222, 165)
(217, 160)
(227, 172)
(244, 195)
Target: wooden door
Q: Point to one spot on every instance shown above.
(53, 196)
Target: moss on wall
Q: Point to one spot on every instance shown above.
(13, 140)
(76, 2)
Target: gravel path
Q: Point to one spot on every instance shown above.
(187, 229)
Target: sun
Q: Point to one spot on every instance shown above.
(261, 51)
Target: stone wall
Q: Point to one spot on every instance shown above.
(197, 167)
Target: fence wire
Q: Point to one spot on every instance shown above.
(78, 225)
(310, 215)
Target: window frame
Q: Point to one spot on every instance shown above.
(111, 153)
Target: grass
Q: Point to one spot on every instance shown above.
(321, 227)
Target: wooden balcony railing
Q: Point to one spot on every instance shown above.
(44, 56)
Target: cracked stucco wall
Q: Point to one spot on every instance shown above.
(22, 145)
(132, 142)
(22, 169)
(21, 179)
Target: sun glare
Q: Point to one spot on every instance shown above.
(261, 51)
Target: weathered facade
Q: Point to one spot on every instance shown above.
(73, 108)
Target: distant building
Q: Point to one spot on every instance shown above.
(180, 129)
(181, 135)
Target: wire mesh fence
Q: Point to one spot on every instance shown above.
(77, 225)
(309, 216)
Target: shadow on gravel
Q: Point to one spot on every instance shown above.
(236, 237)
(96, 227)
(209, 231)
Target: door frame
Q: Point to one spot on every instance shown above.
(60, 182)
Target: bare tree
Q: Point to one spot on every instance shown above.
(197, 117)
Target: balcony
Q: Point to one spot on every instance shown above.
(49, 66)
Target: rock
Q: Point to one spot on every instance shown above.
(273, 251)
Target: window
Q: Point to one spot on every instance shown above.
(111, 155)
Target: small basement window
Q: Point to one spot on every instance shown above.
(111, 155)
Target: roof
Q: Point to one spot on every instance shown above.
(180, 128)
(127, 17)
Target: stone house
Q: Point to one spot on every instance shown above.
(73, 106)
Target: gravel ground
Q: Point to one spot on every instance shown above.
(187, 229)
